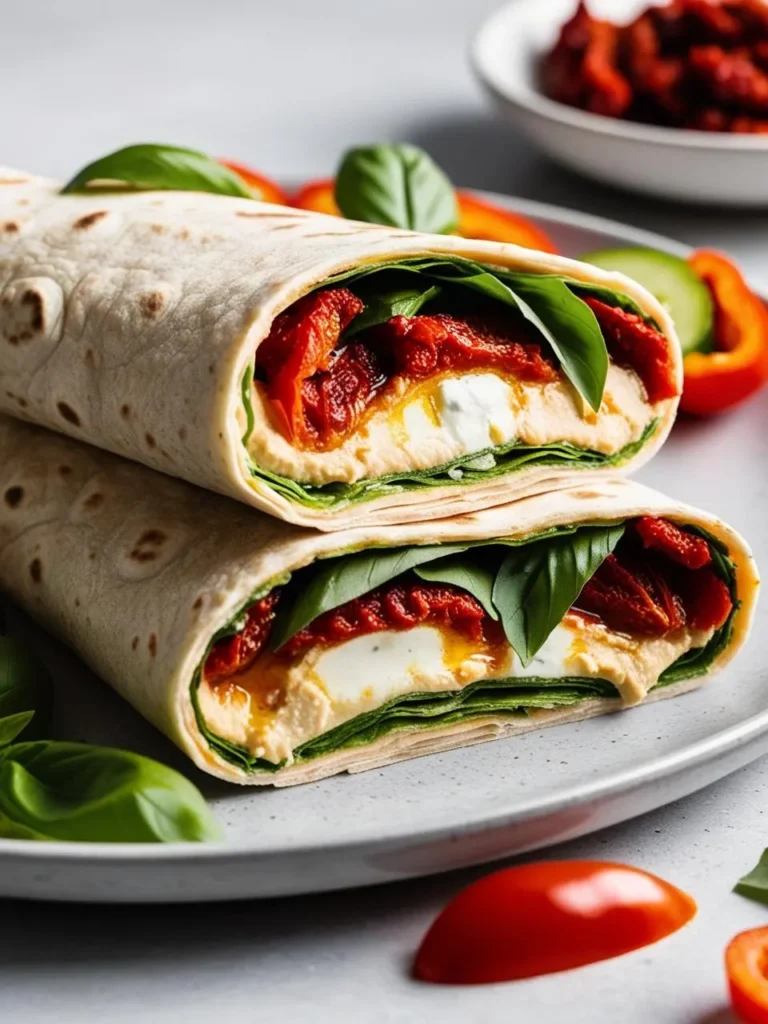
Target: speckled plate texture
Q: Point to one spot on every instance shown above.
(468, 806)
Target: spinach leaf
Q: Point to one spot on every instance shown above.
(342, 579)
(382, 307)
(538, 583)
(397, 185)
(150, 166)
(547, 301)
(25, 686)
(755, 884)
(466, 572)
(14, 725)
(77, 792)
(570, 327)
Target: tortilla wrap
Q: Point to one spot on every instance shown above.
(138, 572)
(131, 320)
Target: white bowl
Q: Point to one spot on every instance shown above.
(690, 166)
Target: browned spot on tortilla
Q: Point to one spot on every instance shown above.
(134, 643)
(156, 537)
(285, 227)
(328, 234)
(152, 645)
(77, 602)
(151, 304)
(587, 495)
(89, 220)
(68, 413)
(13, 181)
(143, 556)
(14, 496)
(159, 229)
(6, 302)
(35, 301)
(198, 604)
(11, 227)
(89, 357)
(211, 368)
(150, 440)
(276, 215)
(183, 433)
(21, 202)
(65, 470)
(184, 234)
(92, 555)
(25, 336)
(22, 402)
(94, 500)
(36, 570)
(125, 411)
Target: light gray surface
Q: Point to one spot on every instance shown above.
(286, 85)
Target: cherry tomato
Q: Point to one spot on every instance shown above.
(546, 917)
(746, 962)
(263, 188)
(477, 218)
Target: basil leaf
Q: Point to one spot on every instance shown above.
(397, 185)
(570, 327)
(381, 308)
(467, 574)
(150, 166)
(25, 685)
(538, 583)
(77, 792)
(343, 579)
(755, 884)
(14, 725)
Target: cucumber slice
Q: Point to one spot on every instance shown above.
(675, 285)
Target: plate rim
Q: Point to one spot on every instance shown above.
(718, 744)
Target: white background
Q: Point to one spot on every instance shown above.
(286, 85)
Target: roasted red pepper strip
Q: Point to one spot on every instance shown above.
(234, 653)
(301, 344)
(634, 343)
(745, 962)
(686, 549)
(477, 217)
(400, 605)
(715, 381)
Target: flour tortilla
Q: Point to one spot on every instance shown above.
(129, 320)
(137, 571)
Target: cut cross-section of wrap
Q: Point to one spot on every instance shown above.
(329, 372)
(272, 654)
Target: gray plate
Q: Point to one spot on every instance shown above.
(464, 807)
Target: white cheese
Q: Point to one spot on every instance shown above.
(551, 660)
(444, 419)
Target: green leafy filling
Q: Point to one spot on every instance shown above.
(548, 569)
(552, 304)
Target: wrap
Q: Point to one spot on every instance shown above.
(273, 654)
(422, 375)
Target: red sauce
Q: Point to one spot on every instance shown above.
(321, 389)
(698, 64)
(552, 916)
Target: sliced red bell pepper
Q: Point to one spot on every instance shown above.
(477, 218)
(738, 367)
(746, 961)
(263, 188)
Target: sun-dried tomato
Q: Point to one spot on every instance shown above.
(335, 400)
(234, 653)
(690, 63)
(582, 69)
(685, 548)
(421, 346)
(300, 344)
(398, 606)
(632, 599)
(706, 598)
(634, 343)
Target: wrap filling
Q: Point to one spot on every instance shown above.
(356, 646)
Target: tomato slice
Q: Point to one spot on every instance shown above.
(477, 218)
(746, 963)
(546, 917)
(263, 188)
